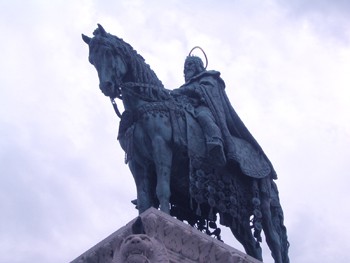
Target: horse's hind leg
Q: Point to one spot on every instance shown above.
(272, 236)
(245, 237)
(162, 156)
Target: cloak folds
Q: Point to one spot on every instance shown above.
(239, 143)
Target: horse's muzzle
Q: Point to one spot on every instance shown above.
(107, 88)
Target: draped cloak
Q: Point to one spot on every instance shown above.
(239, 143)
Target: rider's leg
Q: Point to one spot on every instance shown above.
(212, 135)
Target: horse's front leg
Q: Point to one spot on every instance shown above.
(143, 186)
(162, 156)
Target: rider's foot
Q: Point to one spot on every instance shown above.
(216, 153)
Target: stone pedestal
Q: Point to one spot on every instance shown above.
(163, 239)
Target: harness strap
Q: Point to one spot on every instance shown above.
(115, 107)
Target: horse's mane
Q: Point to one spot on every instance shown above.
(141, 71)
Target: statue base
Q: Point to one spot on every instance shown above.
(161, 238)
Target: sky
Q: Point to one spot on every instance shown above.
(64, 185)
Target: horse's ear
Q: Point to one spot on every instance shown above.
(102, 30)
(86, 39)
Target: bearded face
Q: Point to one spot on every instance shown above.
(193, 66)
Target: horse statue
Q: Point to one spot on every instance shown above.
(166, 153)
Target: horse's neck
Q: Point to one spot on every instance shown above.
(140, 87)
(140, 92)
(132, 103)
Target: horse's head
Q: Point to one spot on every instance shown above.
(122, 72)
(108, 61)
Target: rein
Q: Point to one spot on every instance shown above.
(128, 88)
(144, 91)
(115, 107)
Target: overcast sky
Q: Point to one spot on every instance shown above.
(286, 64)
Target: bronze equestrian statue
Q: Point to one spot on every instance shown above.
(188, 151)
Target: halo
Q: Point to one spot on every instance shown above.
(206, 59)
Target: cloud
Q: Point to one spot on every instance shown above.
(327, 18)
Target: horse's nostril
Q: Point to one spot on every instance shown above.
(106, 87)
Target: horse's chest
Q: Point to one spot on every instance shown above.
(152, 126)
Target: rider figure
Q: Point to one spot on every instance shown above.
(227, 138)
(196, 80)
